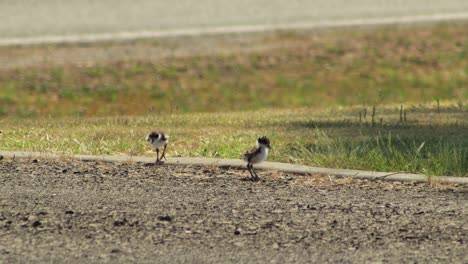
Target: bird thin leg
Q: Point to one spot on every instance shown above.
(256, 178)
(163, 155)
(250, 169)
(157, 156)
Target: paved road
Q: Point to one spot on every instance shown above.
(32, 18)
(96, 212)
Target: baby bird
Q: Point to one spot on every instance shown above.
(257, 155)
(158, 139)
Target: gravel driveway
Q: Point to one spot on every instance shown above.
(86, 212)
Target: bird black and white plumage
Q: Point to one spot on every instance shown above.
(256, 155)
(158, 140)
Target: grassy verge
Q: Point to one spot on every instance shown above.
(429, 142)
(300, 89)
(379, 66)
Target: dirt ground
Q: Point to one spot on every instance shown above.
(72, 211)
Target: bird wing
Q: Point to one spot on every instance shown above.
(250, 153)
(164, 136)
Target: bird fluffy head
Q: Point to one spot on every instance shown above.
(264, 141)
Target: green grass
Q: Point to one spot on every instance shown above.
(429, 142)
(428, 155)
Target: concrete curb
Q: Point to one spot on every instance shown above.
(284, 167)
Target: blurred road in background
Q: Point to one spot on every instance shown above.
(52, 21)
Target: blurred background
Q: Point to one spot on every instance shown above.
(87, 58)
